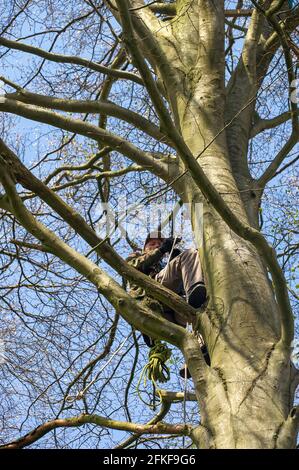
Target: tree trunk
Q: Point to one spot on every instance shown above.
(246, 396)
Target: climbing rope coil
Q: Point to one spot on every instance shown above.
(156, 369)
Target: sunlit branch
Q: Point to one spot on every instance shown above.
(91, 107)
(40, 431)
(89, 130)
(264, 124)
(65, 59)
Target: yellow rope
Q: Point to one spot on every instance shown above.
(156, 369)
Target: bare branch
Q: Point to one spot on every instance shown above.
(170, 9)
(32, 246)
(30, 182)
(261, 125)
(271, 170)
(89, 130)
(64, 59)
(165, 407)
(132, 310)
(92, 107)
(175, 397)
(40, 431)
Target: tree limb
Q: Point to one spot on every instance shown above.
(269, 14)
(42, 430)
(32, 246)
(270, 172)
(263, 124)
(165, 407)
(89, 130)
(287, 436)
(170, 9)
(103, 249)
(175, 397)
(92, 107)
(65, 59)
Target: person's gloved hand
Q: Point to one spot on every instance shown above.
(167, 244)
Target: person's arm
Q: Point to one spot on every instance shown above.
(144, 261)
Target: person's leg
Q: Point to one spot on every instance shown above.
(185, 268)
(171, 275)
(191, 269)
(192, 277)
(185, 271)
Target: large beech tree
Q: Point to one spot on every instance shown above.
(175, 92)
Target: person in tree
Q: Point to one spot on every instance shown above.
(182, 274)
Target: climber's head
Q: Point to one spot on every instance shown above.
(153, 240)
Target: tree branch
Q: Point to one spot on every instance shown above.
(97, 176)
(175, 397)
(270, 172)
(165, 407)
(170, 9)
(32, 246)
(287, 437)
(65, 59)
(264, 124)
(89, 130)
(93, 107)
(164, 8)
(42, 430)
(107, 253)
(269, 14)
(159, 49)
(241, 94)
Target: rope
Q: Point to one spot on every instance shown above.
(155, 370)
(184, 402)
(189, 327)
(168, 260)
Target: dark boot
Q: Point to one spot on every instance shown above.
(197, 295)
